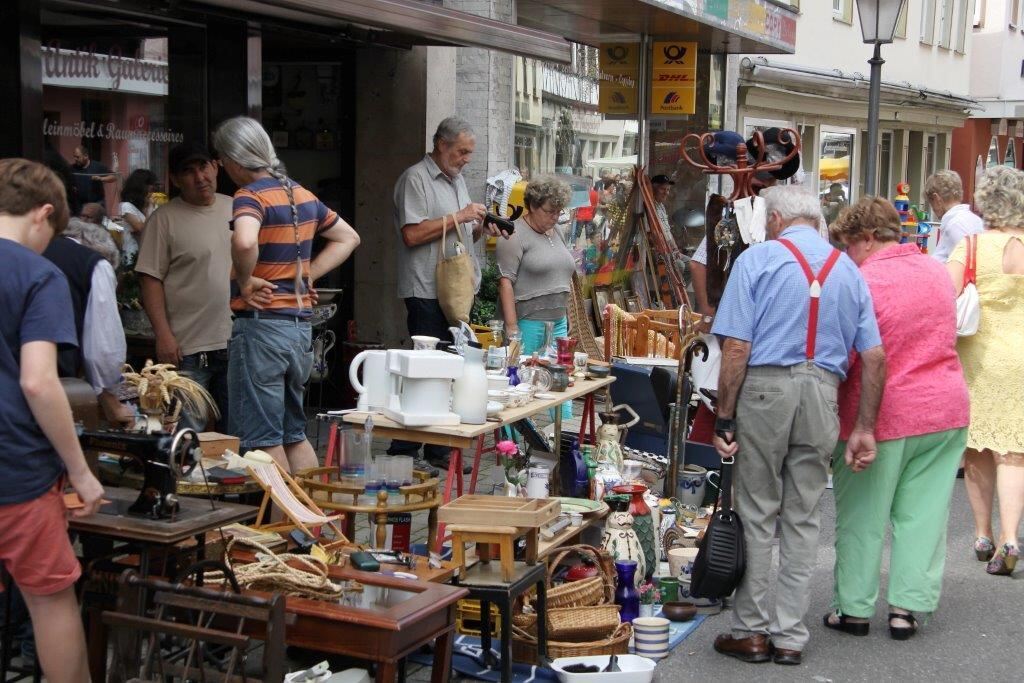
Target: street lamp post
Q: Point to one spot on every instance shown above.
(878, 20)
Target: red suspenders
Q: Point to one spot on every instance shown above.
(814, 283)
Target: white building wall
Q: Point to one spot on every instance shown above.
(824, 41)
(998, 59)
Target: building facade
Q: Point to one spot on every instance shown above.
(822, 89)
(995, 132)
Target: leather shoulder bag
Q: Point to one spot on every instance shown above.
(721, 559)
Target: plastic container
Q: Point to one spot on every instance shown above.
(634, 669)
(469, 394)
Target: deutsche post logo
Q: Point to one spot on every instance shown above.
(617, 54)
(671, 97)
(674, 54)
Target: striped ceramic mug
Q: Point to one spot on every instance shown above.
(650, 637)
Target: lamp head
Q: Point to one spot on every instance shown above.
(878, 19)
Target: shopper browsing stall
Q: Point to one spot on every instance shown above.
(40, 446)
(274, 222)
(784, 353)
(185, 271)
(921, 430)
(945, 193)
(994, 461)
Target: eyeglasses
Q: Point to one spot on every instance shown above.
(550, 212)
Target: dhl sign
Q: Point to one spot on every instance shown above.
(674, 78)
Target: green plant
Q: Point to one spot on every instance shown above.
(485, 306)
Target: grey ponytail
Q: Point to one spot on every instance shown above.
(244, 141)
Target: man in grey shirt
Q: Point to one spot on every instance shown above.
(432, 192)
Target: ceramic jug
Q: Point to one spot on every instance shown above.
(643, 526)
(373, 390)
(609, 450)
(469, 394)
(621, 542)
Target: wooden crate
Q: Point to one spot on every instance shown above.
(478, 510)
(213, 444)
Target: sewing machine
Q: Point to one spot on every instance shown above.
(164, 457)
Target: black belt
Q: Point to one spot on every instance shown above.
(269, 315)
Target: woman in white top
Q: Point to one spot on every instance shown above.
(135, 206)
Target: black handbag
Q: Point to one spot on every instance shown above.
(721, 559)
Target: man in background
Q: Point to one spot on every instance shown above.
(185, 274)
(90, 176)
(945, 194)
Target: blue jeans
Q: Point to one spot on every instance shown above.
(210, 369)
(270, 362)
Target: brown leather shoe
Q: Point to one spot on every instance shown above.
(786, 657)
(753, 649)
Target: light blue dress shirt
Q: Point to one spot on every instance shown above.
(767, 303)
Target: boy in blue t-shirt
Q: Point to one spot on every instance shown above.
(38, 444)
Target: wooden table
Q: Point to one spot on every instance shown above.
(194, 520)
(460, 436)
(389, 620)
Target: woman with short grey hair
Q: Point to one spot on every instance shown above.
(274, 221)
(536, 266)
(994, 461)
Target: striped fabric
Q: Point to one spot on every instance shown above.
(266, 201)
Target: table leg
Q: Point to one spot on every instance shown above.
(542, 625)
(485, 634)
(476, 464)
(454, 479)
(554, 485)
(200, 555)
(387, 672)
(332, 445)
(588, 414)
(441, 671)
(506, 639)
(144, 561)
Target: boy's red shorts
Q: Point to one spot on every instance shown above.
(34, 544)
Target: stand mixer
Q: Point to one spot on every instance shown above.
(419, 387)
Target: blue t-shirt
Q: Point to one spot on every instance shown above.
(35, 305)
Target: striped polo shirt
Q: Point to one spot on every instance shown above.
(266, 201)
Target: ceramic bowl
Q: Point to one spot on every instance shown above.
(493, 408)
(598, 371)
(679, 611)
(497, 382)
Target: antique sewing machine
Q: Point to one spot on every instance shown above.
(164, 457)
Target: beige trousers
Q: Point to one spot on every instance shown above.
(786, 427)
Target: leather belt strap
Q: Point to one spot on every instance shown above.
(814, 283)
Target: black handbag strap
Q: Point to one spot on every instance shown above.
(725, 487)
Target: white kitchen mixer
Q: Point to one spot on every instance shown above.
(419, 392)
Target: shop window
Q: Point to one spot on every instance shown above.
(1014, 14)
(835, 184)
(993, 153)
(963, 25)
(885, 184)
(1010, 157)
(928, 22)
(842, 10)
(901, 23)
(107, 100)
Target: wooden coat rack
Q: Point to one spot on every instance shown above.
(742, 174)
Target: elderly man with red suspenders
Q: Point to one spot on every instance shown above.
(793, 309)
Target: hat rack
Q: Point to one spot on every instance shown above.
(742, 174)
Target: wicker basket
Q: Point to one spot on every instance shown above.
(573, 623)
(597, 590)
(524, 646)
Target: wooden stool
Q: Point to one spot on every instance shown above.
(485, 585)
(503, 536)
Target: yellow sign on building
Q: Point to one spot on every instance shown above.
(674, 78)
(618, 65)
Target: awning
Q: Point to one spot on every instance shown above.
(409, 18)
(733, 27)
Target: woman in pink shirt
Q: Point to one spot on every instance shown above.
(921, 430)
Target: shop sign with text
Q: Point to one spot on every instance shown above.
(618, 64)
(674, 78)
(103, 71)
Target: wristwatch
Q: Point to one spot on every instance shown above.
(724, 425)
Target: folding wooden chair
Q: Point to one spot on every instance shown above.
(165, 632)
(298, 508)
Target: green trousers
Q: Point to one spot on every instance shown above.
(909, 486)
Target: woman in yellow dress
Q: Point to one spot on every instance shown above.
(994, 461)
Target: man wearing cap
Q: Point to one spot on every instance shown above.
(185, 273)
(662, 185)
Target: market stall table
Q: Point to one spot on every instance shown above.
(193, 521)
(461, 436)
(388, 620)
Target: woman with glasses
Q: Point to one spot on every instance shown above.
(536, 266)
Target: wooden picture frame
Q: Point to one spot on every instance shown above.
(619, 297)
(640, 289)
(601, 297)
(633, 304)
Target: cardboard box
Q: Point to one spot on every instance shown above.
(214, 444)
